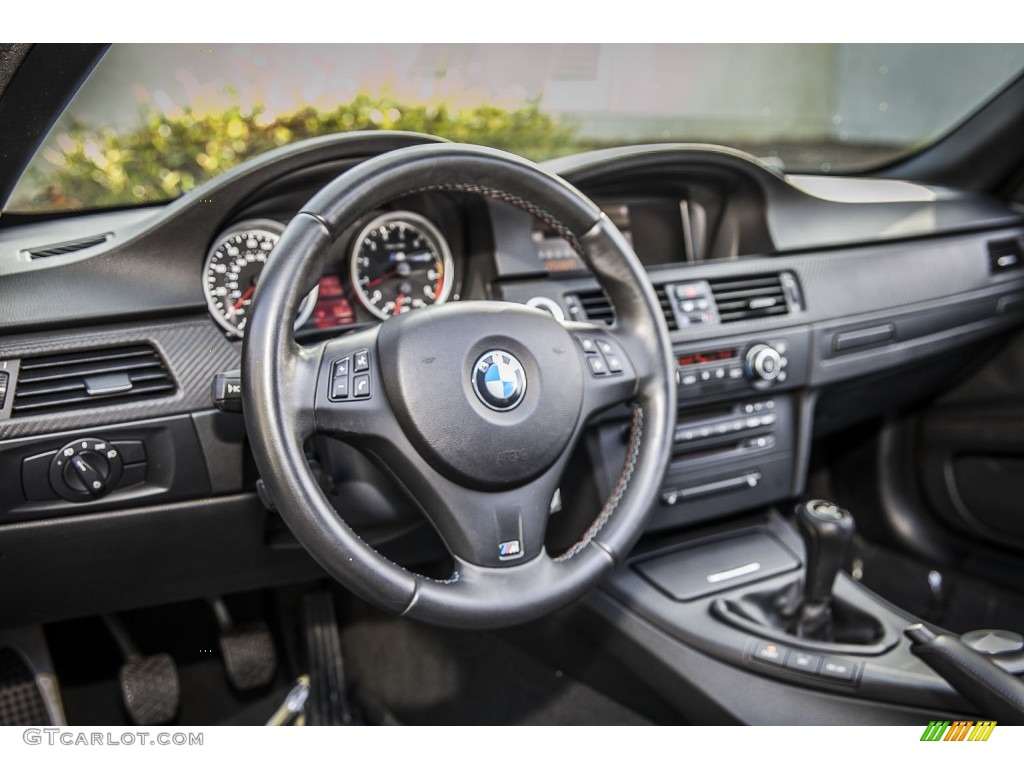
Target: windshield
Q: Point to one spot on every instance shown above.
(154, 121)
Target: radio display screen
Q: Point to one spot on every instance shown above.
(712, 356)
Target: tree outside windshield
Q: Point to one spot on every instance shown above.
(152, 122)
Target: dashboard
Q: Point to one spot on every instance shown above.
(797, 306)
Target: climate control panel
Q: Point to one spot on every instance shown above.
(741, 366)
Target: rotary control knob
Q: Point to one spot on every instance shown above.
(85, 469)
(764, 363)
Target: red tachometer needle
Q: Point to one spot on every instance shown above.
(398, 303)
(245, 296)
(381, 279)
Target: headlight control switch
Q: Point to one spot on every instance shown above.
(85, 469)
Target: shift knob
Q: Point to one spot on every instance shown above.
(826, 530)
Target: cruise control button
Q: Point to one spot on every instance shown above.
(804, 662)
(361, 362)
(770, 653)
(361, 386)
(597, 366)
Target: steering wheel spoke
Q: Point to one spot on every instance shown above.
(486, 528)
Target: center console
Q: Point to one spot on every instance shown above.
(736, 430)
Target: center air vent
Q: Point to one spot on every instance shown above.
(749, 297)
(592, 306)
(595, 307)
(73, 380)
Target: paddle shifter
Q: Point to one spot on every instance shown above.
(826, 530)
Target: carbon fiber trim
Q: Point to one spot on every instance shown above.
(194, 349)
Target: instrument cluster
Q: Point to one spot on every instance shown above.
(391, 263)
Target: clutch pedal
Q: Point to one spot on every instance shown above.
(29, 693)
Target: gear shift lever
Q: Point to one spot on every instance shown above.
(826, 530)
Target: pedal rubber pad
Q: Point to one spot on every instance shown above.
(20, 700)
(249, 656)
(150, 689)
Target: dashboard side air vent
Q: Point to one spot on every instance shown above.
(85, 379)
(1004, 255)
(46, 251)
(750, 297)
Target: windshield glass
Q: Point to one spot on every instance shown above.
(154, 121)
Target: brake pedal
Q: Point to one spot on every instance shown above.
(248, 650)
(150, 687)
(328, 702)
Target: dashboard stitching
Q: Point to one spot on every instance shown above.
(635, 437)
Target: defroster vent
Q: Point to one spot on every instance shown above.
(108, 376)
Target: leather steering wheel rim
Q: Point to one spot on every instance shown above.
(470, 496)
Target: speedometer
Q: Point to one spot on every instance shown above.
(401, 262)
(232, 269)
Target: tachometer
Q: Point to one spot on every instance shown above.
(232, 269)
(401, 262)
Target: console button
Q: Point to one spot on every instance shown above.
(341, 368)
(598, 367)
(803, 662)
(770, 653)
(837, 669)
(614, 364)
(587, 345)
(361, 385)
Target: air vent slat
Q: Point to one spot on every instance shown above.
(598, 309)
(666, 306)
(35, 363)
(81, 370)
(595, 306)
(749, 297)
(83, 379)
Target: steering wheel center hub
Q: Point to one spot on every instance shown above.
(489, 394)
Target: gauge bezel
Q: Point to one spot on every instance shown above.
(266, 227)
(427, 227)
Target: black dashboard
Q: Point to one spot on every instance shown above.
(797, 306)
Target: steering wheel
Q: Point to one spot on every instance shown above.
(473, 406)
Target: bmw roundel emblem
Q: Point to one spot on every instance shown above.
(499, 380)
